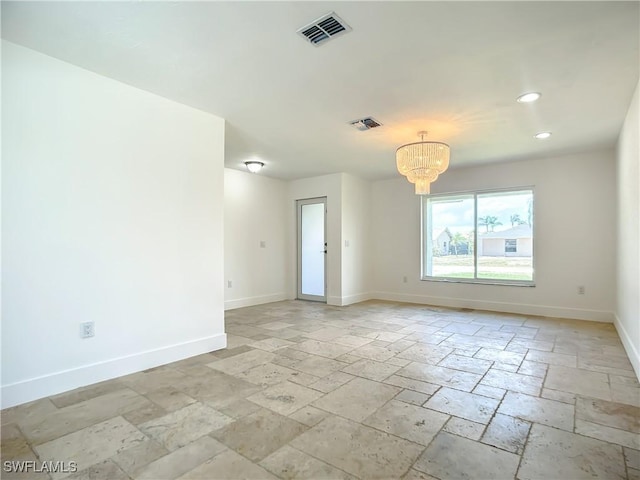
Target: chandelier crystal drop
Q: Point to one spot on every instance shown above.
(422, 162)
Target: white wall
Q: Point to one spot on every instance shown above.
(255, 211)
(357, 261)
(112, 212)
(628, 248)
(329, 186)
(574, 238)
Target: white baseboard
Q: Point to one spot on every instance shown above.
(58, 382)
(520, 308)
(630, 348)
(357, 298)
(251, 301)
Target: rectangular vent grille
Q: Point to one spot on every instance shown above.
(324, 28)
(365, 124)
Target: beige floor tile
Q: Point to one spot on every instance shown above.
(105, 470)
(552, 453)
(289, 464)
(267, 374)
(352, 341)
(259, 434)
(552, 358)
(28, 412)
(564, 397)
(466, 364)
(450, 456)
(322, 349)
(373, 352)
(411, 384)
(500, 356)
(183, 426)
(319, 366)
(446, 377)
(464, 428)
(309, 415)
(86, 393)
(80, 415)
(507, 433)
(327, 334)
(534, 369)
(491, 392)
(14, 445)
(462, 404)
(242, 362)
(459, 340)
(575, 380)
(629, 394)
(225, 466)
(361, 451)
(271, 344)
(413, 423)
(616, 415)
(134, 459)
(538, 410)
(170, 398)
(385, 336)
(608, 434)
(416, 475)
(425, 353)
(331, 382)
(154, 379)
(513, 381)
(357, 399)
(371, 369)
(91, 445)
(414, 398)
(632, 457)
(184, 459)
(285, 398)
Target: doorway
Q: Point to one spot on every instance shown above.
(312, 249)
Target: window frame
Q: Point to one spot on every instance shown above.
(476, 280)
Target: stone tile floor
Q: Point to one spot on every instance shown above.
(374, 390)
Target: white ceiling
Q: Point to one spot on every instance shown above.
(452, 68)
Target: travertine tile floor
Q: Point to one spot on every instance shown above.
(374, 390)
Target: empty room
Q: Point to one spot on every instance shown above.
(320, 240)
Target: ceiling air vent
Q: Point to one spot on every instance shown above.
(365, 124)
(324, 28)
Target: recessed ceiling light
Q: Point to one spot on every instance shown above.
(254, 166)
(542, 135)
(529, 97)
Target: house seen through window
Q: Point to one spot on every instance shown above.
(484, 237)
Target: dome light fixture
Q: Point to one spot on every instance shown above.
(422, 162)
(528, 97)
(254, 166)
(542, 135)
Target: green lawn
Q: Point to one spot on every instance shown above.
(490, 268)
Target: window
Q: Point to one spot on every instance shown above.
(479, 237)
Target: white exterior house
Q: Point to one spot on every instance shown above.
(513, 242)
(442, 242)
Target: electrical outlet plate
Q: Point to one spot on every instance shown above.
(87, 329)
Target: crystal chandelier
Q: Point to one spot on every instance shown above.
(422, 162)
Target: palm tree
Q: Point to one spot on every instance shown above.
(456, 241)
(489, 221)
(516, 220)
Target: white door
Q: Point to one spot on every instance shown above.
(312, 249)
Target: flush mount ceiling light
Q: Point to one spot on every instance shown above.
(254, 166)
(529, 97)
(422, 162)
(542, 135)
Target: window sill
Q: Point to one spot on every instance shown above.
(478, 281)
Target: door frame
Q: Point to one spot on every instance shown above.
(299, 204)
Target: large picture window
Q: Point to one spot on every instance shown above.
(483, 237)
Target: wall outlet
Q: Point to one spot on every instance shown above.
(346, 243)
(581, 290)
(229, 284)
(405, 279)
(263, 244)
(87, 329)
